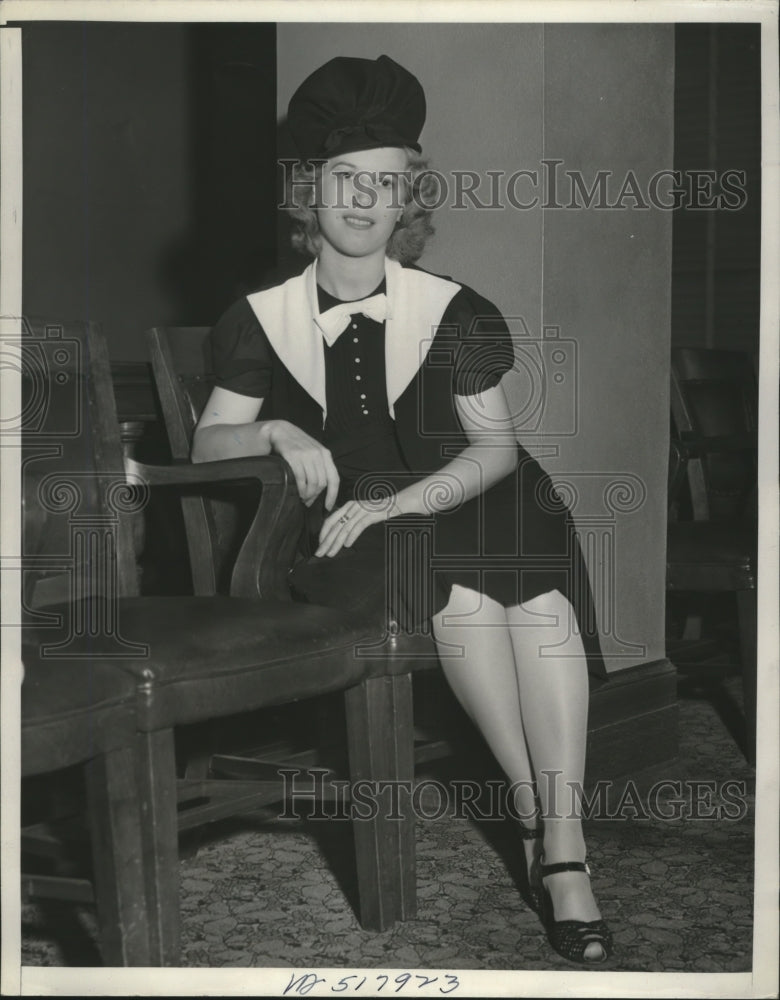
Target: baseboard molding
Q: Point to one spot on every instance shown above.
(633, 721)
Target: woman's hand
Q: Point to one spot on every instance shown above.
(311, 462)
(345, 525)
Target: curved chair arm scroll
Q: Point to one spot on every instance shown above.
(266, 553)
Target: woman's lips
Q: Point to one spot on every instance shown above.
(357, 222)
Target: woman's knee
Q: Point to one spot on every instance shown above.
(549, 614)
(546, 622)
(468, 607)
(552, 604)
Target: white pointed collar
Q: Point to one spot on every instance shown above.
(416, 301)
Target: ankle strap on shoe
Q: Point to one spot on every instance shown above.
(531, 832)
(563, 866)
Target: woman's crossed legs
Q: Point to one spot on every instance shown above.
(521, 675)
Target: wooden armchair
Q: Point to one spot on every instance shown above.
(714, 413)
(203, 657)
(74, 712)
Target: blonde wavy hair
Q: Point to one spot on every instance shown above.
(412, 232)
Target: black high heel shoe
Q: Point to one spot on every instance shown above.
(533, 883)
(571, 938)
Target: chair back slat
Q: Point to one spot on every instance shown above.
(714, 409)
(183, 374)
(181, 362)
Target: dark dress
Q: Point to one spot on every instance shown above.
(520, 544)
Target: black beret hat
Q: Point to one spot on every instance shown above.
(352, 104)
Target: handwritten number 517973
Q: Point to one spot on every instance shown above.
(304, 983)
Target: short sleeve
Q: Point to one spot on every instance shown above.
(485, 352)
(241, 354)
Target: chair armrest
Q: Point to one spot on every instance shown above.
(271, 470)
(267, 551)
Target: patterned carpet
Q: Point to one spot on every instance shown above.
(676, 891)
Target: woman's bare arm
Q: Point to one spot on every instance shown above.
(228, 428)
(490, 456)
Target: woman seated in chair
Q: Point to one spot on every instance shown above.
(381, 385)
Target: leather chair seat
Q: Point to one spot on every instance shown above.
(212, 656)
(710, 555)
(72, 711)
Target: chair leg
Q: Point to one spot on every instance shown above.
(380, 737)
(115, 825)
(748, 641)
(157, 780)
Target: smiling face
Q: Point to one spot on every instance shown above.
(361, 201)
